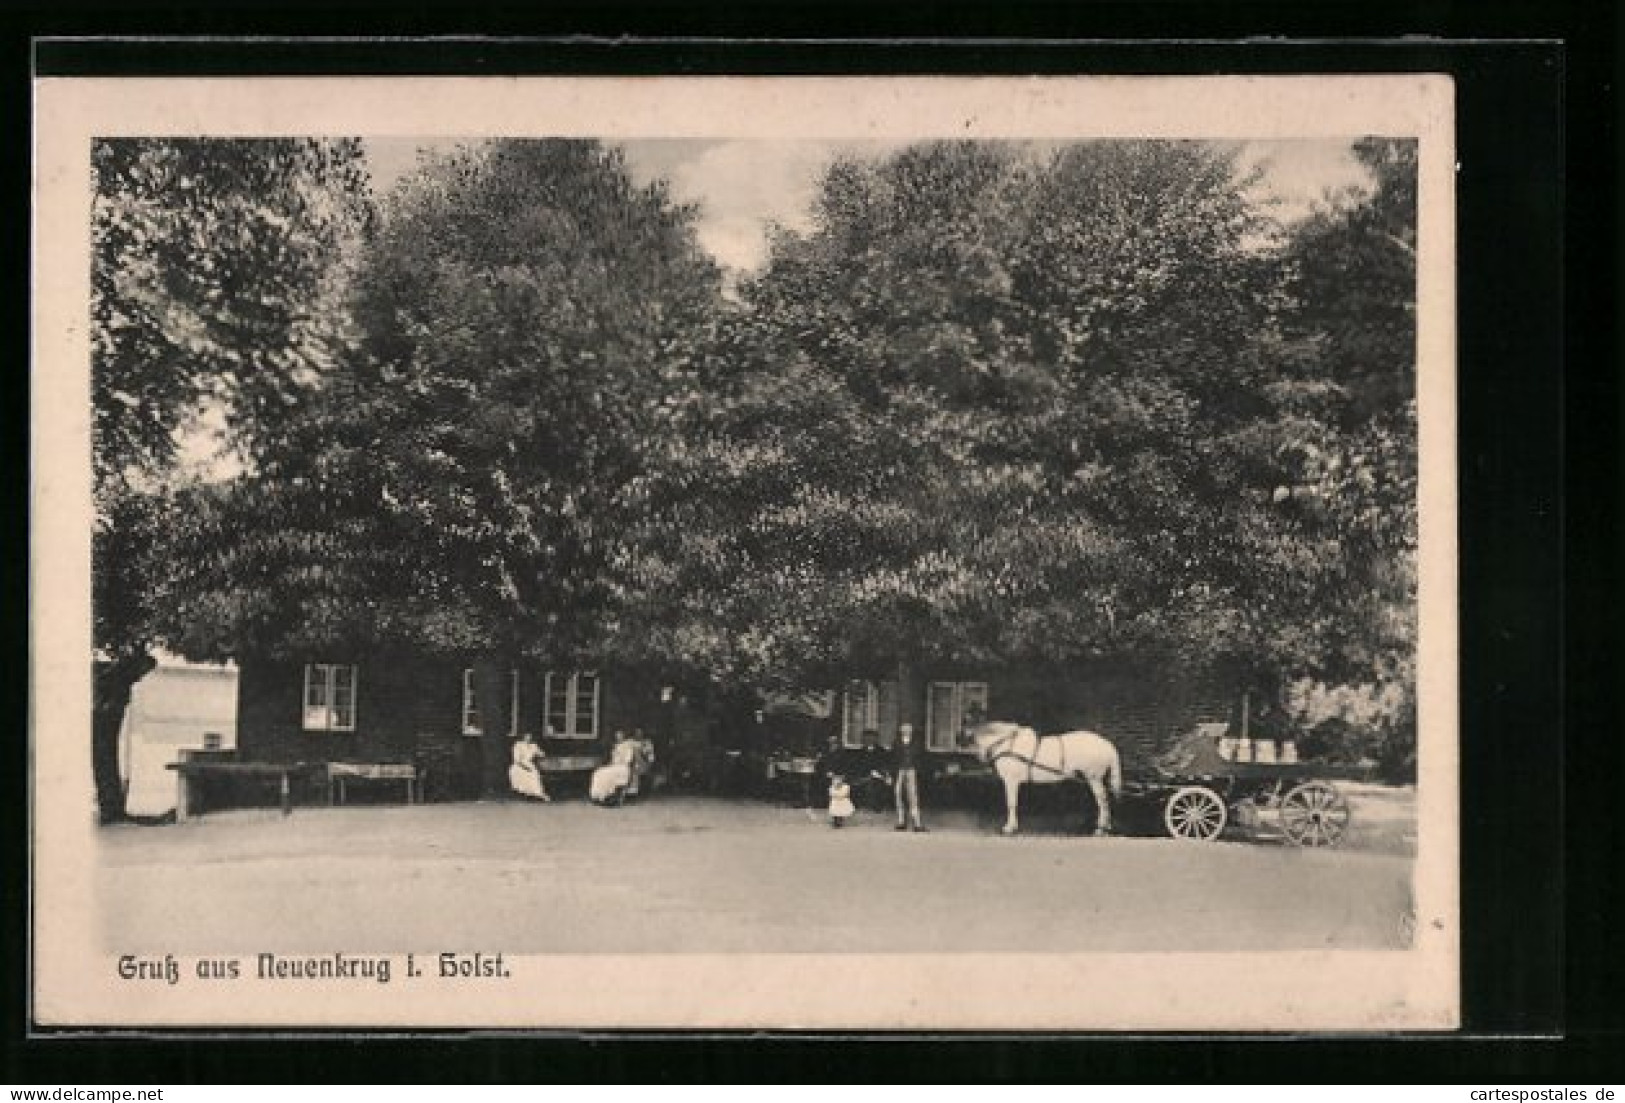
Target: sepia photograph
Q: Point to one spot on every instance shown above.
(860, 554)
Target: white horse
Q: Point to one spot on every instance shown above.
(1019, 755)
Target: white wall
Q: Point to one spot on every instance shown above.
(170, 710)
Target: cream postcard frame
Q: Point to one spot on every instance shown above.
(73, 974)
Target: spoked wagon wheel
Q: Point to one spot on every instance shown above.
(1195, 812)
(1315, 814)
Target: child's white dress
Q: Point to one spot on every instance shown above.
(840, 800)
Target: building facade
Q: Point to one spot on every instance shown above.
(434, 712)
(1139, 712)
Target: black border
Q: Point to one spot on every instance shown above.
(1517, 102)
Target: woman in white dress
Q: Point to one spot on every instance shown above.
(619, 778)
(525, 774)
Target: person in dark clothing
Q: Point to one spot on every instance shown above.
(869, 772)
(907, 757)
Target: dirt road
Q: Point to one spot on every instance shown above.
(694, 875)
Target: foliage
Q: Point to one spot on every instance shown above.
(1354, 289)
(1001, 406)
(999, 403)
(1351, 724)
(212, 267)
(1355, 262)
(213, 262)
(462, 482)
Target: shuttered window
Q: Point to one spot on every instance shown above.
(572, 705)
(473, 722)
(951, 709)
(869, 706)
(329, 697)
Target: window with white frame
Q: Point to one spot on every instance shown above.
(951, 709)
(473, 723)
(329, 697)
(571, 705)
(869, 706)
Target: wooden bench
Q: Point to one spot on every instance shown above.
(571, 763)
(341, 774)
(191, 776)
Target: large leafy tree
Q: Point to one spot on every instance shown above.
(1000, 404)
(1353, 263)
(466, 482)
(212, 263)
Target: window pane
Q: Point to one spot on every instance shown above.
(852, 712)
(973, 704)
(558, 704)
(343, 677)
(471, 704)
(318, 714)
(888, 712)
(944, 719)
(586, 705)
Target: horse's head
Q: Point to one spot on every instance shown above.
(992, 736)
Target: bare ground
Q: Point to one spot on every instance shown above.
(678, 875)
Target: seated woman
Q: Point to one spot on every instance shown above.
(642, 758)
(614, 782)
(525, 774)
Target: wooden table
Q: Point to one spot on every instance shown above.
(799, 773)
(340, 774)
(190, 777)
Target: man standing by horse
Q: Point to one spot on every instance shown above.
(906, 761)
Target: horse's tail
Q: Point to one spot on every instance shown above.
(1114, 773)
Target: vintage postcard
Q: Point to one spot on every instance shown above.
(745, 553)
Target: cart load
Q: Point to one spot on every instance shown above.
(1206, 781)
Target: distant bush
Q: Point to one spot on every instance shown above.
(1349, 725)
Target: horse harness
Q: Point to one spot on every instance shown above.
(999, 752)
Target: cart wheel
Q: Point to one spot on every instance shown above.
(1315, 814)
(1195, 812)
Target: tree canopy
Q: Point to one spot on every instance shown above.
(462, 481)
(1353, 264)
(213, 265)
(997, 405)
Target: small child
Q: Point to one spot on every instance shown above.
(840, 800)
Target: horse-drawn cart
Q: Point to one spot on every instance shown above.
(1200, 791)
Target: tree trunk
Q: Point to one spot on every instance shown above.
(111, 685)
(494, 687)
